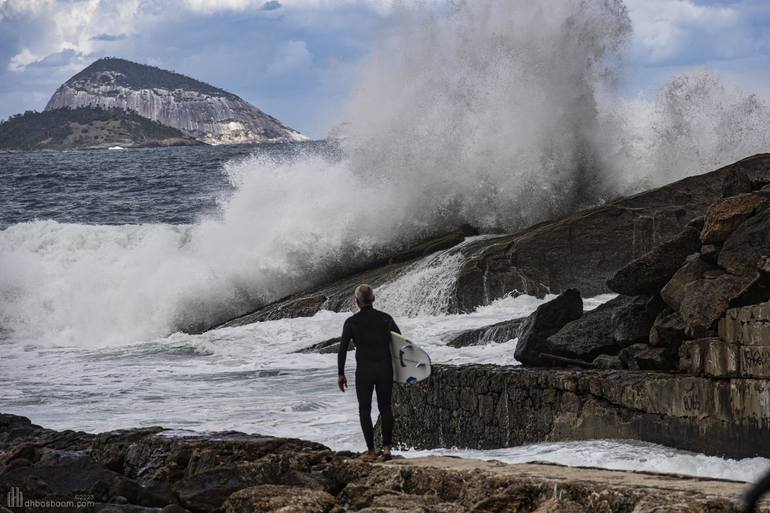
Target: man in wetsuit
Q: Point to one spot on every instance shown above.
(370, 330)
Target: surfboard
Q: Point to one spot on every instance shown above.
(410, 363)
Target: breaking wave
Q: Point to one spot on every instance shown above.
(498, 114)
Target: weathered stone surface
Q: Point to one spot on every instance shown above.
(694, 268)
(499, 332)
(706, 301)
(606, 361)
(631, 323)
(725, 215)
(743, 249)
(514, 406)
(580, 251)
(281, 499)
(645, 357)
(545, 321)
(667, 330)
(717, 358)
(708, 357)
(736, 183)
(332, 483)
(749, 325)
(648, 273)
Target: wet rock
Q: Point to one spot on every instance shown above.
(499, 332)
(174, 508)
(605, 361)
(122, 508)
(737, 182)
(646, 357)
(331, 345)
(59, 471)
(545, 321)
(281, 499)
(725, 215)
(706, 300)
(590, 335)
(710, 253)
(648, 273)
(667, 330)
(695, 268)
(631, 322)
(743, 249)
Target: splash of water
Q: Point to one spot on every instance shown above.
(498, 114)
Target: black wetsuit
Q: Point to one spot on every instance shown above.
(370, 329)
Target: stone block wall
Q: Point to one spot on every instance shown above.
(741, 350)
(488, 406)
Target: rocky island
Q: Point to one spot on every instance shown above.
(207, 113)
(86, 128)
(115, 102)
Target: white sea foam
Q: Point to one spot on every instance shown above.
(251, 379)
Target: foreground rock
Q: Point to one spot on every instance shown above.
(145, 471)
(677, 293)
(488, 406)
(580, 251)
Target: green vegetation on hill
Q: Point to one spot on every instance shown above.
(142, 76)
(85, 127)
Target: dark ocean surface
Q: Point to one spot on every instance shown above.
(132, 186)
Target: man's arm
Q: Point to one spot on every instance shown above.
(342, 354)
(394, 326)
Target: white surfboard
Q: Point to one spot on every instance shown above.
(410, 363)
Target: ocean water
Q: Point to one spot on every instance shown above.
(105, 254)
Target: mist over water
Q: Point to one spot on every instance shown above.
(498, 114)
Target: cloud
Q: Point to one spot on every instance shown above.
(272, 5)
(686, 32)
(109, 37)
(290, 56)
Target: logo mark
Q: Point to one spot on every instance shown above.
(15, 498)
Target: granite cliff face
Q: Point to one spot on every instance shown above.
(207, 113)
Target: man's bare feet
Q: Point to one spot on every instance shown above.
(368, 456)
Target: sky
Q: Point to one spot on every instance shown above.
(297, 59)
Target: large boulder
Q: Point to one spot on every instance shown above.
(750, 241)
(695, 268)
(725, 215)
(546, 320)
(587, 337)
(706, 300)
(648, 273)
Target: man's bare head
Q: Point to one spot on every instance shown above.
(364, 295)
